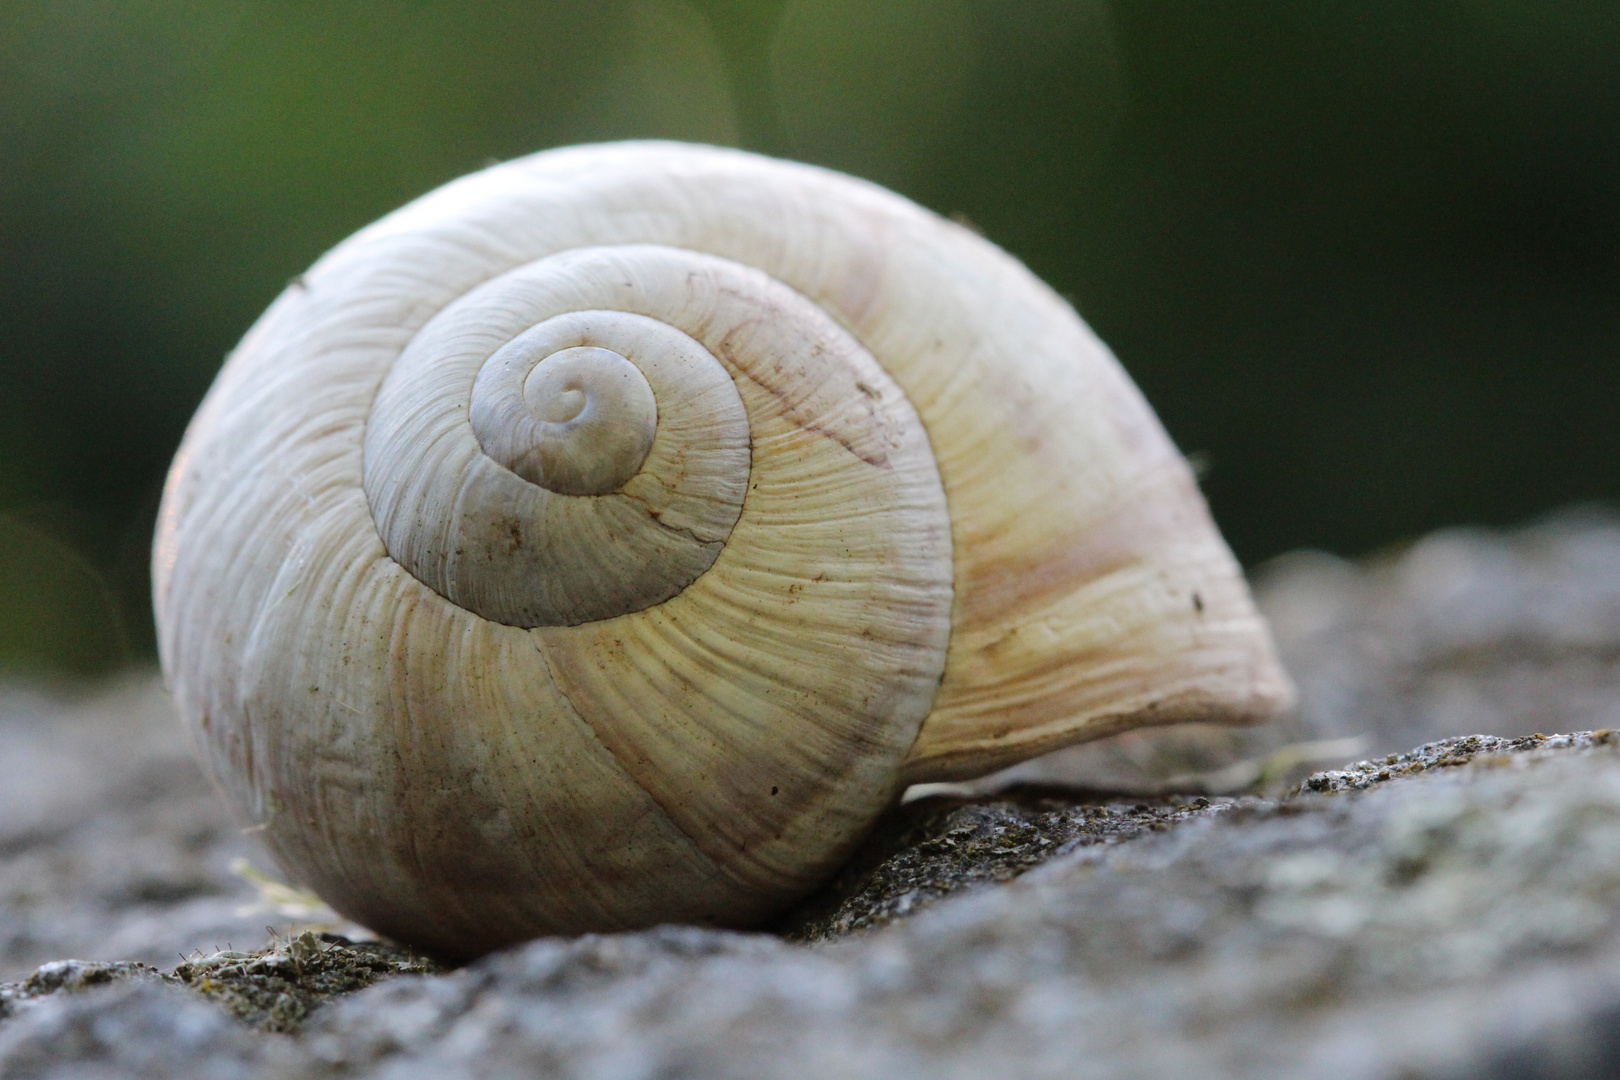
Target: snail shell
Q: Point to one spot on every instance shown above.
(609, 536)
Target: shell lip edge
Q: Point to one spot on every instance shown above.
(1271, 694)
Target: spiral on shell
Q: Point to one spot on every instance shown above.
(608, 537)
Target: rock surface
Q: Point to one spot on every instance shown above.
(112, 845)
(1448, 911)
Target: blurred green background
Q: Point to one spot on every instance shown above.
(1364, 258)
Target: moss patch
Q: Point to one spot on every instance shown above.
(273, 989)
(925, 850)
(276, 989)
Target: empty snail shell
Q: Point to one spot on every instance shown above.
(609, 536)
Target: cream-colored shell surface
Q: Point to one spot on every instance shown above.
(854, 501)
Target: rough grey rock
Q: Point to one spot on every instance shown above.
(929, 849)
(69, 977)
(1425, 927)
(1458, 920)
(136, 1029)
(112, 845)
(1451, 911)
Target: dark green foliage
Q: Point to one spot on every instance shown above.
(1364, 259)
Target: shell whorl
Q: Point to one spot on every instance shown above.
(586, 544)
(534, 522)
(577, 420)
